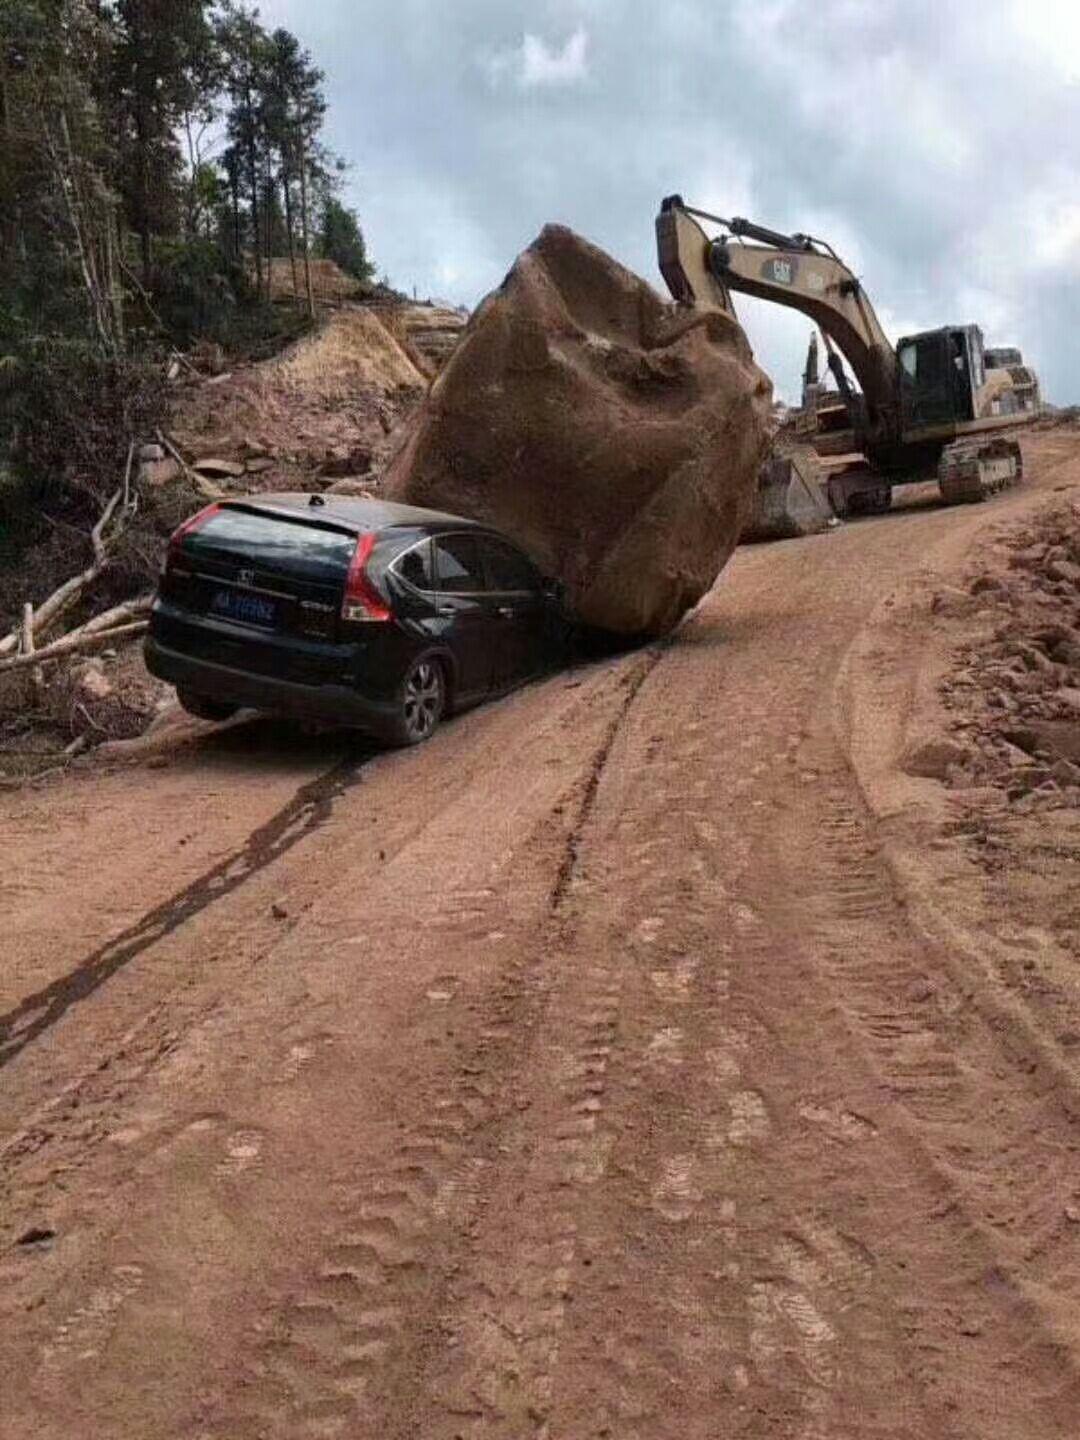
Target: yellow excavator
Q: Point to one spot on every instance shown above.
(937, 404)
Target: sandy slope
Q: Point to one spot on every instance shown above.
(608, 1067)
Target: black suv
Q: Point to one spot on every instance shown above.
(346, 611)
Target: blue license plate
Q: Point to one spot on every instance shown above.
(248, 609)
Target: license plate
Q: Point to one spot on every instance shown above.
(248, 609)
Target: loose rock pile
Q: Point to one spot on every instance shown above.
(1015, 696)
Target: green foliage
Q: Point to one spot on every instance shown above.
(342, 241)
(68, 413)
(123, 233)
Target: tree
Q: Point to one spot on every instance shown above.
(342, 241)
(293, 111)
(61, 212)
(244, 46)
(161, 76)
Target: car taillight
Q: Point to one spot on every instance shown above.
(361, 600)
(192, 523)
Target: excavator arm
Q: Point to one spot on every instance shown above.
(793, 270)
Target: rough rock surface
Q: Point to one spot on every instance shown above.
(616, 438)
(1013, 695)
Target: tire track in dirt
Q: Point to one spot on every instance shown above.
(726, 1304)
(342, 1351)
(997, 1237)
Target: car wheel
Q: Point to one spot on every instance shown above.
(203, 708)
(421, 703)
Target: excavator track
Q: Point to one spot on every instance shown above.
(971, 472)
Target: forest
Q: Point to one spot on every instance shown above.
(155, 157)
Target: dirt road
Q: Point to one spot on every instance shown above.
(586, 1072)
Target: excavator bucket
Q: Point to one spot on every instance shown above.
(790, 498)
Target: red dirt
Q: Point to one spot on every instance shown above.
(638, 1058)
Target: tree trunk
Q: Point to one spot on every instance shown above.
(253, 182)
(64, 166)
(234, 191)
(305, 232)
(286, 185)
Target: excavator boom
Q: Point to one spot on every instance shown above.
(935, 400)
(793, 270)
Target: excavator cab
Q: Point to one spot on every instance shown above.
(940, 372)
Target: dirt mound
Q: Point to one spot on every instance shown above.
(434, 330)
(1014, 694)
(328, 281)
(333, 395)
(353, 349)
(616, 438)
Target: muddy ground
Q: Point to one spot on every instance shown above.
(649, 1055)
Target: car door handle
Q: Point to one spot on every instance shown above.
(445, 610)
(507, 611)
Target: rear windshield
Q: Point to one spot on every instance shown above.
(273, 542)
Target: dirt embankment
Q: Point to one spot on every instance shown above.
(1009, 745)
(320, 411)
(1013, 699)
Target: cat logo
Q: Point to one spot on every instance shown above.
(780, 272)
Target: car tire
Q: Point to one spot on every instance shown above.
(421, 703)
(203, 708)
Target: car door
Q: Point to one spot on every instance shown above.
(517, 602)
(470, 626)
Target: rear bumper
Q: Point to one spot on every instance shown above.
(329, 704)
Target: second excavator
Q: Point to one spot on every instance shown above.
(937, 404)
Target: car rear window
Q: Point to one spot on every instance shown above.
(507, 568)
(458, 564)
(274, 538)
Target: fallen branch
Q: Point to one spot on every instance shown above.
(71, 589)
(75, 644)
(98, 531)
(126, 610)
(204, 487)
(26, 646)
(127, 475)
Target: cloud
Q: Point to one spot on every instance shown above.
(934, 144)
(535, 63)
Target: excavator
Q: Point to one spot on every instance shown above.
(938, 403)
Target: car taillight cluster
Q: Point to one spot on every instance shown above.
(361, 600)
(192, 523)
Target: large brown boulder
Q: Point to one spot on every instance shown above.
(616, 438)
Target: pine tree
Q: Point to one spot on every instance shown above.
(342, 241)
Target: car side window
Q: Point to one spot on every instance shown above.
(415, 566)
(507, 568)
(458, 564)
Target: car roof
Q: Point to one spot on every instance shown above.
(356, 512)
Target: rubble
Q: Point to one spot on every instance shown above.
(1014, 694)
(617, 439)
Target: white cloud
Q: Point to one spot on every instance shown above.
(535, 63)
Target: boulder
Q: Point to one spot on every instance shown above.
(934, 758)
(215, 466)
(617, 438)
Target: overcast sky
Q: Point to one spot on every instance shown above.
(935, 143)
